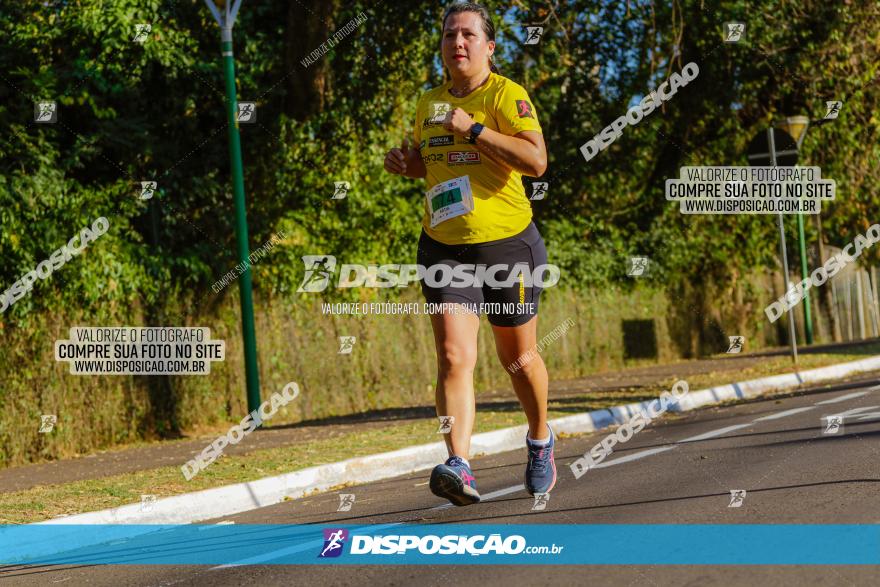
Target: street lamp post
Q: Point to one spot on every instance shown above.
(797, 126)
(771, 140)
(226, 20)
(775, 147)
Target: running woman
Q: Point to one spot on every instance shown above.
(475, 137)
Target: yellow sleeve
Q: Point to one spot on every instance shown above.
(515, 112)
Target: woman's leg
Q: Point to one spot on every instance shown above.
(455, 337)
(517, 351)
(530, 382)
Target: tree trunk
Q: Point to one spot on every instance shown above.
(309, 24)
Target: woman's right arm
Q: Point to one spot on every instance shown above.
(405, 161)
(415, 165)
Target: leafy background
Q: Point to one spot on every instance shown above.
(155, 111)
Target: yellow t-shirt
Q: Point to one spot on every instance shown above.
(501, 208)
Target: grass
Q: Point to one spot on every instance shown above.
(46, 502)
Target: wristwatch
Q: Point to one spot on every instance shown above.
(476, 129)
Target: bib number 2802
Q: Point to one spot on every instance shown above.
(450, 199)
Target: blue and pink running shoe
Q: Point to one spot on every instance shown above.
(541, 469)
(455, 481)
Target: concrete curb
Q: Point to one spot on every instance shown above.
(241, 497)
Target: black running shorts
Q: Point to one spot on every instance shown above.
(511, 304)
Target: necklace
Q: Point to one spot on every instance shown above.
(462, 93)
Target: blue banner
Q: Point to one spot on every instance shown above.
(455, 544)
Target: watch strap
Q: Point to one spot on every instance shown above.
(476, 129)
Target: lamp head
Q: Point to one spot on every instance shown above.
(796, 126)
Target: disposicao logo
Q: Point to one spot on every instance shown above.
(334, 540)
(321, 269)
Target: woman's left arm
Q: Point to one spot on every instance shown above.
(524, 152)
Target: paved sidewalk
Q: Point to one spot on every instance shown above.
(175, 453)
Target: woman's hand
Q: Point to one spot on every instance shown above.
(398, 161)
(458, 121)
(395, 160)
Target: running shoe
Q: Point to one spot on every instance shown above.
(455, 481)
(541, 469)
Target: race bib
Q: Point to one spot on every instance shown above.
(450, 199)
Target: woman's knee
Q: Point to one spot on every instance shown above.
(453, 358)
(525, 366)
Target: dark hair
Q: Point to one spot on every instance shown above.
(488, 27)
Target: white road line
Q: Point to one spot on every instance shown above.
(503, 492)
(714, 433)
(778, 415)
(842, 398)
(633, 457)
(855, 411)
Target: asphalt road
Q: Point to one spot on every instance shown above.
(679, 470)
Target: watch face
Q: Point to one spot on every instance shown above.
(475, 132)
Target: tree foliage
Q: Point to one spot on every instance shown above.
(131, 112)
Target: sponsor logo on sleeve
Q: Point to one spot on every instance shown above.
(524, 109)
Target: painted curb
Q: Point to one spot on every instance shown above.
(242, 497)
